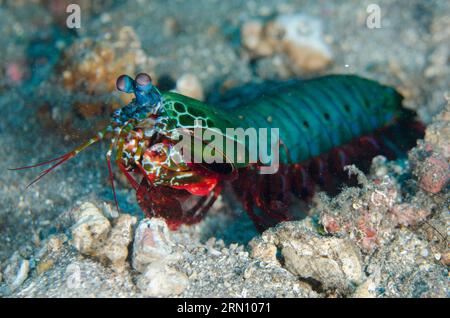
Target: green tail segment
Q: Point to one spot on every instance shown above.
(313, 116)
(316, 115)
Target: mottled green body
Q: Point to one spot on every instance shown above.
(316, 115)
(184, 111)
(313, 116)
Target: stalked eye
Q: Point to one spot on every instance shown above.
(125, 83)
(143, 79)
(143, 82)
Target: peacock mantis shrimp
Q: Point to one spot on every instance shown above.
(324, 124)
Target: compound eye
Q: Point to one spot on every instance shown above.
(143, 79)
(125, 83)
(143, 82)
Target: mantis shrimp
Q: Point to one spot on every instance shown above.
(324, 124)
